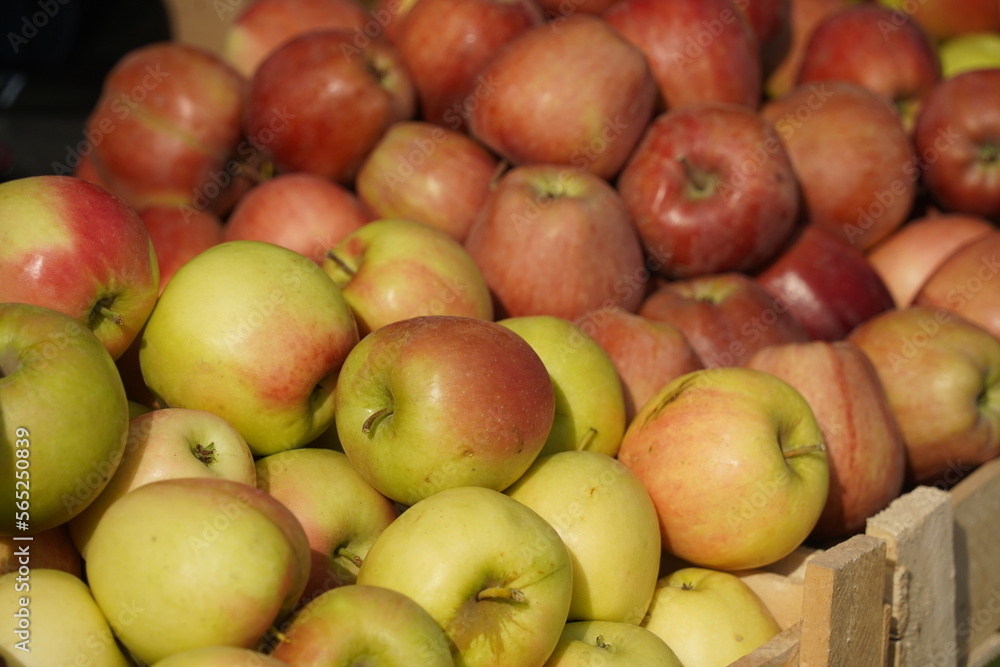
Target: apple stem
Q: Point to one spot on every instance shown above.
(500, 593)
(587, 438)
(111, 315)
(332, 256)
(701, 184)
(348, 555)
(804, 449)
(254, 174)
(205, 454)
(600, 643)
(374, 417)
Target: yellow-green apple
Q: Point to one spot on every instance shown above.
(220, 656)
(229, 562)
(957, 141)
(709, 618)
(304, 212)
(646, 353)
(590, 401)
(864, 443)
(735, 463)
(941, 373)
(255, 333)
(167, 125)
(698, 50)
(611, 643)
(324, 102)
(164, 444)
(363, 625)
(436, 401)
(570, 92)
(724, 317)
(781, 56)
(392, 269)
(607, 520)
(906, 258)
(969, 51)
(492, 572)
(50, 549)
(540, 211)
(341, 513)
(63, 418)
(711, 188)
(428, 173)
(50, 618)
(861, 199)
(947, 18)
(444, 44)
(75, 247)
(825, 283)
(178, 233)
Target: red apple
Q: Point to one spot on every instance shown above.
(711, 188)
(556, 9)
(178, 234)
(947, 18)
(781, 56)
(389, 15)
(767, 17)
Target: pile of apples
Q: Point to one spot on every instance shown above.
(491, 332)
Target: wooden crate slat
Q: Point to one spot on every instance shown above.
(781, 651)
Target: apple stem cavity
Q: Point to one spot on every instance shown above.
(101, 310)
(8, 362)
(989, 154)
(699, 183)
(332, 256)
(373, 418)
(500, 593)
(349, 556)
(204, 453)
(264, 173)
(600, 643)
(804, 449)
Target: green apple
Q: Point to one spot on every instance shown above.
(341, 513)
(437, 401)
(969, 51)
(708, 617)
(201, 561)
(63, 418)
(736, 464)
(492, 572)
(168, 443)
(392, 269)
(590, 398)
(363, 625)
(611, 643)
(50, 618)
(254, 333)
(219, 656)
(608, 522)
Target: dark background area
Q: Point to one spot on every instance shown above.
(54, 55)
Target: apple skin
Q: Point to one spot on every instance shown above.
(218, 341)
(711, 187)
(969, 51)
(340, 512)
(947, 18)
(484, 424)
(957, 137)
(75, 247)
(587, 643)
(230, 562)
(539, 211)
(709, 618)
(392, 269)
(608, 522)
(179, 233)
(52, 549)
(590, 401)
(354, 625)
(492, 572)
(941, 373)
(47, 358)
(781, 56)
(752, 439)
(219, 656)
(864, 443)
(568, 92)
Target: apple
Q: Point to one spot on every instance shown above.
(947, 18)
(781, 56)
(230, 561)
(392, 269)
(735, 463)
(590, 401)
(568, 92)
(444, 45)
(219, 656)
(179, 233)
(388, 16)
(768, 18)
(58, 458)
(492, 572)
(75, 247)
(941, 373)
(556, 9)
(969, 51)
(711, 187)
(852, 156)
(304, 212)
(218, 340)
(864, 443)
(427, 173)
(51, 549)
(957, 138)
(327, 102)
(433, 402)
(608, 522)
(539, 212)
(340, 512)
(723, 317)
(709, 618)
(698, 50)
(50, 618)
(355, 624)
(164, 444)
(646, 353)
(587, 643)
